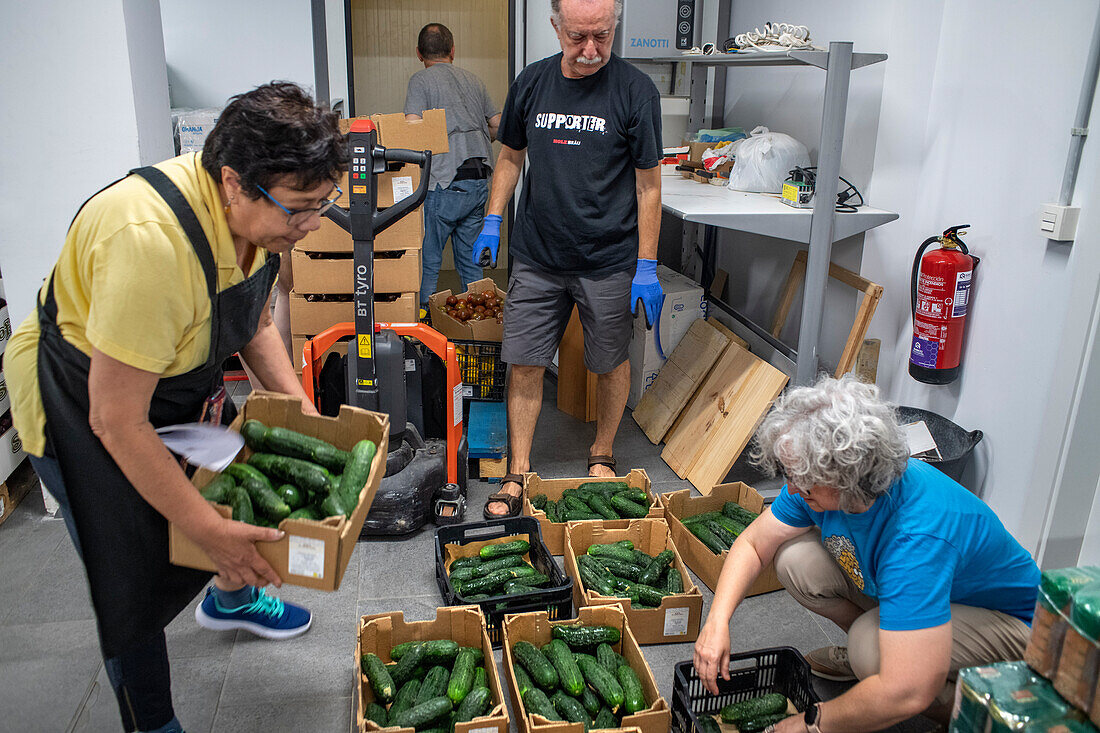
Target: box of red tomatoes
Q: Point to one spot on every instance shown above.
(476, 315)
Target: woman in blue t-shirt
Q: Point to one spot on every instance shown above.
(918, 571)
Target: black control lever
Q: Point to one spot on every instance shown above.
(383, 219)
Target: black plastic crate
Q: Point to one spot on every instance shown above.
(556, 599)
(779, 669)
(483, 373)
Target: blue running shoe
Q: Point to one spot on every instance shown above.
(265, 616)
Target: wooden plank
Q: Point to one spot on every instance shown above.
(859, 329)
(866, 369)
(678, 378)
(720, 419)
(794, 282)
(718, 285)
(729, 334)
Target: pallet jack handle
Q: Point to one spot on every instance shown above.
(316, 347)
(382, 220)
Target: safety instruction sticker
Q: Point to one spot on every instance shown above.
(306, 557)
(364, 346)
(676, 621)
(402, 188)
(457, 399)
(962, 293)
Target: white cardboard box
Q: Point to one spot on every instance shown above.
(684, 302)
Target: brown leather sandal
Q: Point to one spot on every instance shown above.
(601, 461)
(513, 502)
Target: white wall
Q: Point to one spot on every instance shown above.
(74, 119)
(968, 130)
(216, 49)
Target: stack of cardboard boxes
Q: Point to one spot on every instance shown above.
(322, 262)
(11, 447)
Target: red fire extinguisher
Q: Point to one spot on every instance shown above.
(940, 294)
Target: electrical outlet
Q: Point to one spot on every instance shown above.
(1059, 222)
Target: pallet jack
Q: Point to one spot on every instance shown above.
(425, 478)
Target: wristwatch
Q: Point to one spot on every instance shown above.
(813, 718)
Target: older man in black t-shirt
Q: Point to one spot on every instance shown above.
(586, 230)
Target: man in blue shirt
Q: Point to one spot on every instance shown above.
(920, 572)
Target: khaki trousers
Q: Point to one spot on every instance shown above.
(978, 635)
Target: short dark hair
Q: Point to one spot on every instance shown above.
(435, 41)
(273, 131)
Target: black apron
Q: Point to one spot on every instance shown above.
(135, 591)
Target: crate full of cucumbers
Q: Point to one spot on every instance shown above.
(312, 477)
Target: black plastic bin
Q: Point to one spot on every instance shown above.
(779, 669)
(483, 374)
(556, 599)
(954, 443)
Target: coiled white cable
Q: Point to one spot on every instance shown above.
(776, 38)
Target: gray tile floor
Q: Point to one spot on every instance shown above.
(53, 678)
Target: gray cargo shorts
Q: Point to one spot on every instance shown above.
(537, 310)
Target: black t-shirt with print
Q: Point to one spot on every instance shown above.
(584, 137)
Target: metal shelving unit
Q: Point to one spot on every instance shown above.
(761, 214)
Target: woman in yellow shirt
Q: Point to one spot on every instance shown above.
(163, 275)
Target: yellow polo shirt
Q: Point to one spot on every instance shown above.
(128, 283)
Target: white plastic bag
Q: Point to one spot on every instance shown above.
(764, 161)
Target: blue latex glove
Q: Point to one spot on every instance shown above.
(647, 289)
(485, 246)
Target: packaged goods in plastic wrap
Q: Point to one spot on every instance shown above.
(1079, 662)
(1048, 628)
(1060, 726)
(1036, 701)
(977, 686)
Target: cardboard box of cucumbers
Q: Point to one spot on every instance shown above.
(580, 674)
(708, 515)
(640, 568)
(304, 481)
(613, 501)
(428, 675)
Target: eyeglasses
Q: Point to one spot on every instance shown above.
(298, 217)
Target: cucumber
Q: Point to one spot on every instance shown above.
(377, 713)
(577, 515)
(595, 576)
(720, 532)
(466, 573)
(755, 707)
(734, 528)
(306, 512)
(627, 508)
(408, 663)
(707, 537)
(634, 494)
(538, 580)
(254, 432)
(589, 700)
(475, 704)
(481, 678)
(287, 442)
(573, 503)
(356, 471)
(606, 487)
(738, 513)
(627, 570)
(569, 674)
(441, 651)
(434, 684)
(599, 505)
(508, 561)
(609, 658)
(515, 547)
(617, 551)
(290, 494)
(517, 586)
(649, 595)
(642, 558)
(652, 572)
(307, 475)
(379, 677)
(462, 675)
(603, 682)
(333, 506)
(400, 649)
(537, 703)
(570, 708)
(266, 500)
(217, 490)
(605, 719)
(421, 715)
(535, 664)
(523, 680)
(579, 635)
(539, 501)
(466, 562)
(762, 723)
(242, 471)
(495, 580)
(241, 504)
(633, 697)
(405, 697)
(674, 582)
(707, 724)
(551, 510)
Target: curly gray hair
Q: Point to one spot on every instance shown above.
(837, 433)
(555, 10)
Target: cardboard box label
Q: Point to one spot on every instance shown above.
(402, 187)
(676, 621)
(306, 556)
